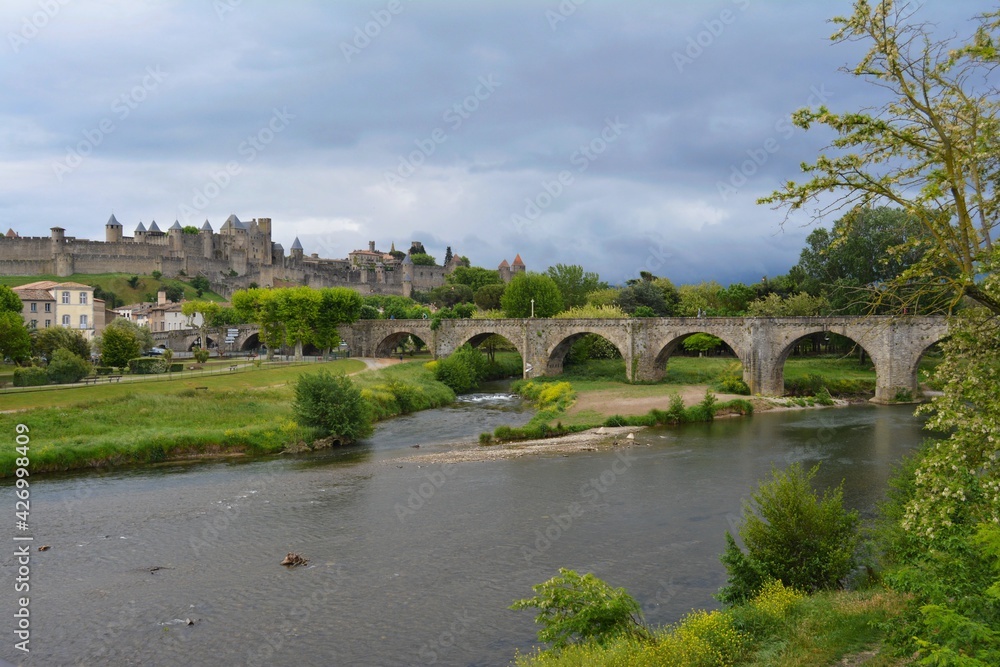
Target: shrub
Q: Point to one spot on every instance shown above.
(200, 355)
(791, 535)
(66, 367)
(176, 368)
(332, 405)
(104, 370)
(463, 369)
(823, 397)
(575, 608)
(147, 366)
(32, 376)
(730, 383)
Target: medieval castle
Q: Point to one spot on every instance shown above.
(239, 254)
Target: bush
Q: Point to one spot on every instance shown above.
(463, 369)
(176, 368)
(792, 536)
(104, 370)
(147, 366)
(31, 376)
(730, 383)
(66, 367)
(200, 355)
(332, 405)
(575, 608)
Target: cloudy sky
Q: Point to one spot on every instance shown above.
(623, 136)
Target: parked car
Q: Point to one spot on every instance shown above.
(155, 352)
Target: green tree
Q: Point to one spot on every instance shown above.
(337, 305)
(701, 343)
(333, 406)
(643, 293)
(49, 340)
(527, 287)
(200, 283)
(576, 608)
(931, 150)
(423, 259)
(190, 229)
(798, 305)
(119, 342)
(865, 249)
(175, 293)
(447, 296)
(447, 255)
(208, 311)
(15, 341)
(574, 283)
(473, 276)
(66, 367)
(261, 307)
(791, 535)
(10, 302)
(488, 297)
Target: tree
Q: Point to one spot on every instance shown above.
(15, 341)
(423, 259)
(791, 535)
(111, 300)
(574, 608)
(797, 305)
(447, 296)
(527, 287)
(932, 150)
(643, 293)
(332, 405)
(10, 302)
(447, 256)
(207, 309)
(488, 297)
(49, 340)
(66, 367)
(574, 283)
(865, 249)
(190, 229)
(701, 343)
(298, 308)
(175, 293)
(473, 276)
(200, 283)
(119, 343)
(260, 307)
(337, 305)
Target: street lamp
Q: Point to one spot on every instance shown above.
(532, 307)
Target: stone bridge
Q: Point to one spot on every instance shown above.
(895, 345)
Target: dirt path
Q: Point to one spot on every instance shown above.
(611, 401)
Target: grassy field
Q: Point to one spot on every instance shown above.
(117, 283)
(114, 424)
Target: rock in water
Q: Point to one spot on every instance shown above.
(293, 559)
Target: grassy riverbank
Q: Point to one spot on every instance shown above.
(778, 629)
(144, 422)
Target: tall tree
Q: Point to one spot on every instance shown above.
(10, 302)
(119, 342)
(447, 255)
(865, 250)
(574, 283)
(51, 339)
(933, 149)
(337, 305)
(260, 307)
(208, 311)
(15, 342)
(527, 287)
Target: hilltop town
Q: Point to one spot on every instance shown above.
(234, 257)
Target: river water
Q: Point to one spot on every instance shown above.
(409, 563)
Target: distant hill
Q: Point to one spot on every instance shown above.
(118, 284)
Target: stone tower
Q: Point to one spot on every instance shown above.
(206, 240)
(407, 276)
(517, 266)
(176, 234)
(113, 230)
(296, 250)
(504, 270)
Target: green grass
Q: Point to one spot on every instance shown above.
(244, 379)
(821, 629)
(117, 283)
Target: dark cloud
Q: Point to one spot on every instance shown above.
(616, 135)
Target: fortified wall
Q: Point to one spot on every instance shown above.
(234, 257)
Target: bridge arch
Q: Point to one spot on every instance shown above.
(822, 334)
(391, 340)
(665, 346)
(559, 341)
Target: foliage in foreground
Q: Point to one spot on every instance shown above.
(780, 626)
(791, 535)
(332, 405)
(577, 608)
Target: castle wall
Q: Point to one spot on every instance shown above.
(27, 267)
(26, 248)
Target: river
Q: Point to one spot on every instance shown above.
(409, 564)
